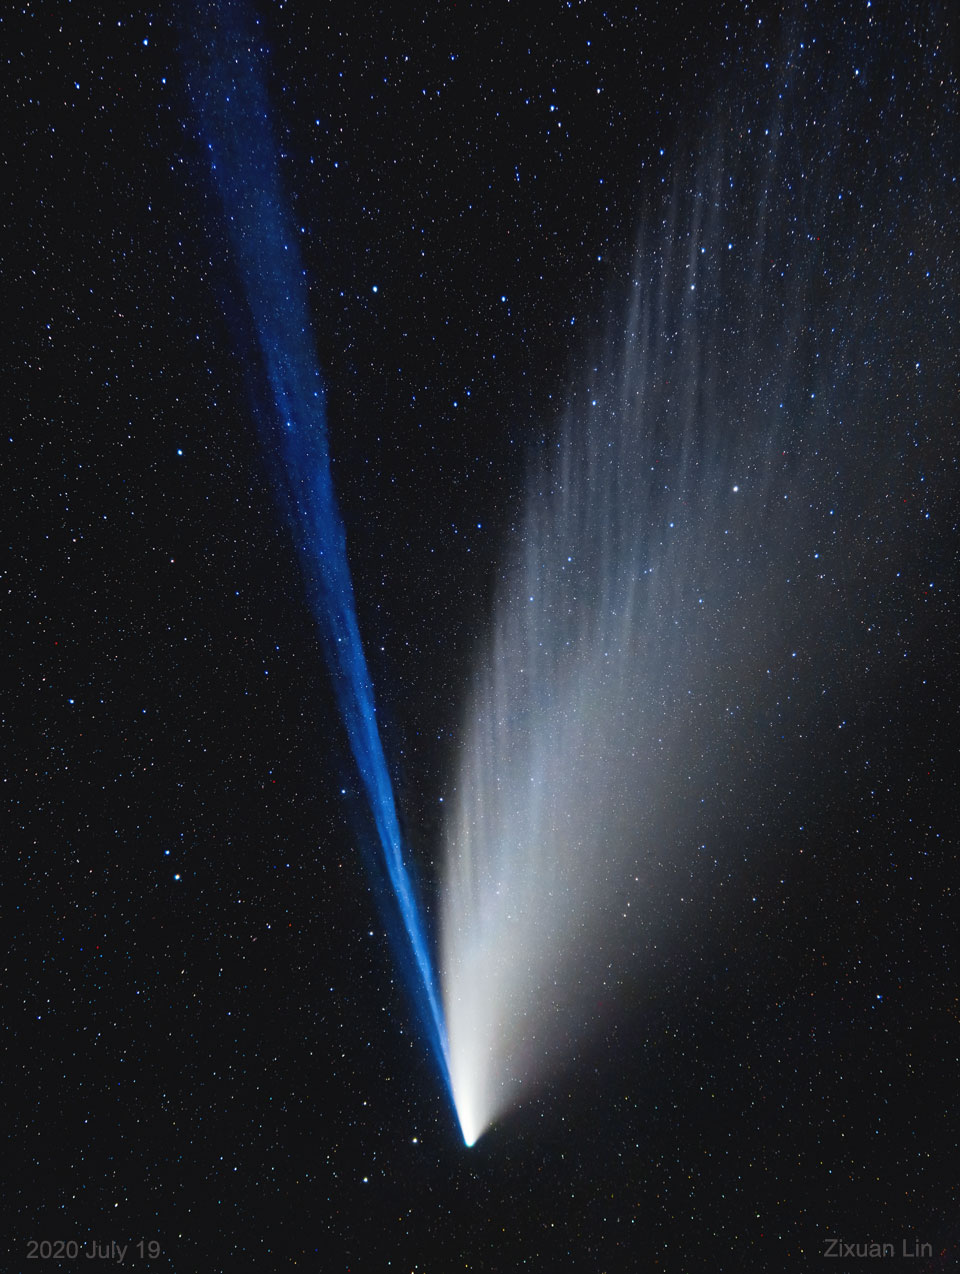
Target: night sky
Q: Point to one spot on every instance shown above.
(209, 1040)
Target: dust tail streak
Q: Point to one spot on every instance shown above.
(701, 589)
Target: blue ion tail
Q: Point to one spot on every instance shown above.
(226, 80)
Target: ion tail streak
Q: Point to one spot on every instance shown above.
(226, 79)
(679, 633)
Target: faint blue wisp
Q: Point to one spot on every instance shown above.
(227, 86)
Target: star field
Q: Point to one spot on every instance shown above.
(209, 1044)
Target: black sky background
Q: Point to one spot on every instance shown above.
(207, 1041)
